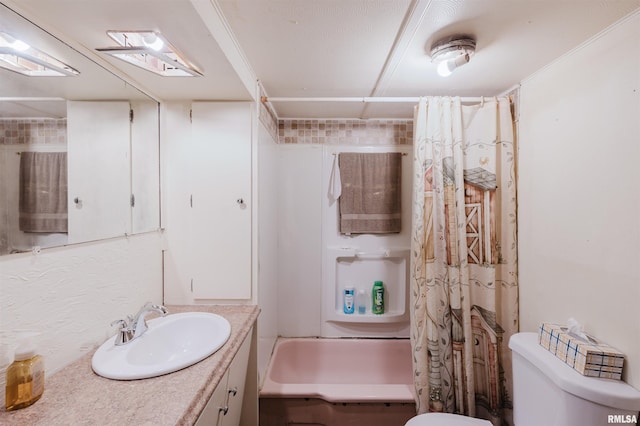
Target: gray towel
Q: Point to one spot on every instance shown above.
(371, 190)
(43, 192)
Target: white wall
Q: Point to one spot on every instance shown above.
(267, 246)
(175, 133)
(72, 294)
(579, 194)
(299, 240)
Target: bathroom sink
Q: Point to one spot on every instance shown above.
(171, 343)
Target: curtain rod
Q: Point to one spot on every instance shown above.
(404, 154)
(365, 99)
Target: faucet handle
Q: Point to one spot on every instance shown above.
(125, 332)
(122, 323)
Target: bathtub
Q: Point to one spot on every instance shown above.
(338, 381)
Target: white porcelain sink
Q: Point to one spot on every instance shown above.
(171, 343)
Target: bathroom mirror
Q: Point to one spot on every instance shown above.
(92, 137)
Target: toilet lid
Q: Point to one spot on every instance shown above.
(445, 419)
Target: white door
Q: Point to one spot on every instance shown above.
(98, 138)
(220, 200)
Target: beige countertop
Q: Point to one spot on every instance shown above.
(77, 396)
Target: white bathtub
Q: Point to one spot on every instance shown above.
(341, 370)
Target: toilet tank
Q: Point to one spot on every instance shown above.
(548, 392)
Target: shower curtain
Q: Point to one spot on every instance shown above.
(464, 284)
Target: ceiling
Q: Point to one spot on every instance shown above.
(331, 48)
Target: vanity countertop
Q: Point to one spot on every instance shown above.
(76, 395)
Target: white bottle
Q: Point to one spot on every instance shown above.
(361, 301)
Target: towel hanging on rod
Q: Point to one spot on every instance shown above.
(370, 201)
(42, 203)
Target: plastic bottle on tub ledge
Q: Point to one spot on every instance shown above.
(348, 306)
(377, 298)
(361, 301)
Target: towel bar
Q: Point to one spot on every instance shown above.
(381, 255)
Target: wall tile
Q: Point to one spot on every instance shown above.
(36, 131)
(346, 132)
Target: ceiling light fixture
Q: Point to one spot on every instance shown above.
(14, 43)
(18, 56)
(451, 53)
(153, 41)
(151, 51)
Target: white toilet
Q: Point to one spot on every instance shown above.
(549, 392)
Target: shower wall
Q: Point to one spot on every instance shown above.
(302, 152)
(267, 272)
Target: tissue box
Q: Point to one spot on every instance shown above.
(588, 357)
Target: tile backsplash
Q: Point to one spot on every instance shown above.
(33, 131)
(346, 132)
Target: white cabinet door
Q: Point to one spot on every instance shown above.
(225, 405)
(98, 144)
(212, 412)
(235, 385)
(220, 217)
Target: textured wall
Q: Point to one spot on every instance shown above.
(72, 294)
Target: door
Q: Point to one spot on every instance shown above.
(220, 220)
(99, 187)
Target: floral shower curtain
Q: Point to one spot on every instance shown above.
(464, 286)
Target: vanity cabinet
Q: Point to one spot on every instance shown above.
(212, 412)
(76, 395)
(225, 405)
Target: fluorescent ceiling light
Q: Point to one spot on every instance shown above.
(18, 56)
(153, 41)
(14, 43)
(149, 50)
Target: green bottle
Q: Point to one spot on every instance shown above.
(377, 295)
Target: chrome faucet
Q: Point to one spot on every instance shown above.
(133, 327)
(139, 323)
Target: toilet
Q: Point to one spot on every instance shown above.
(546, 391)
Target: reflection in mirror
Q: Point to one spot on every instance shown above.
(79, 155)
